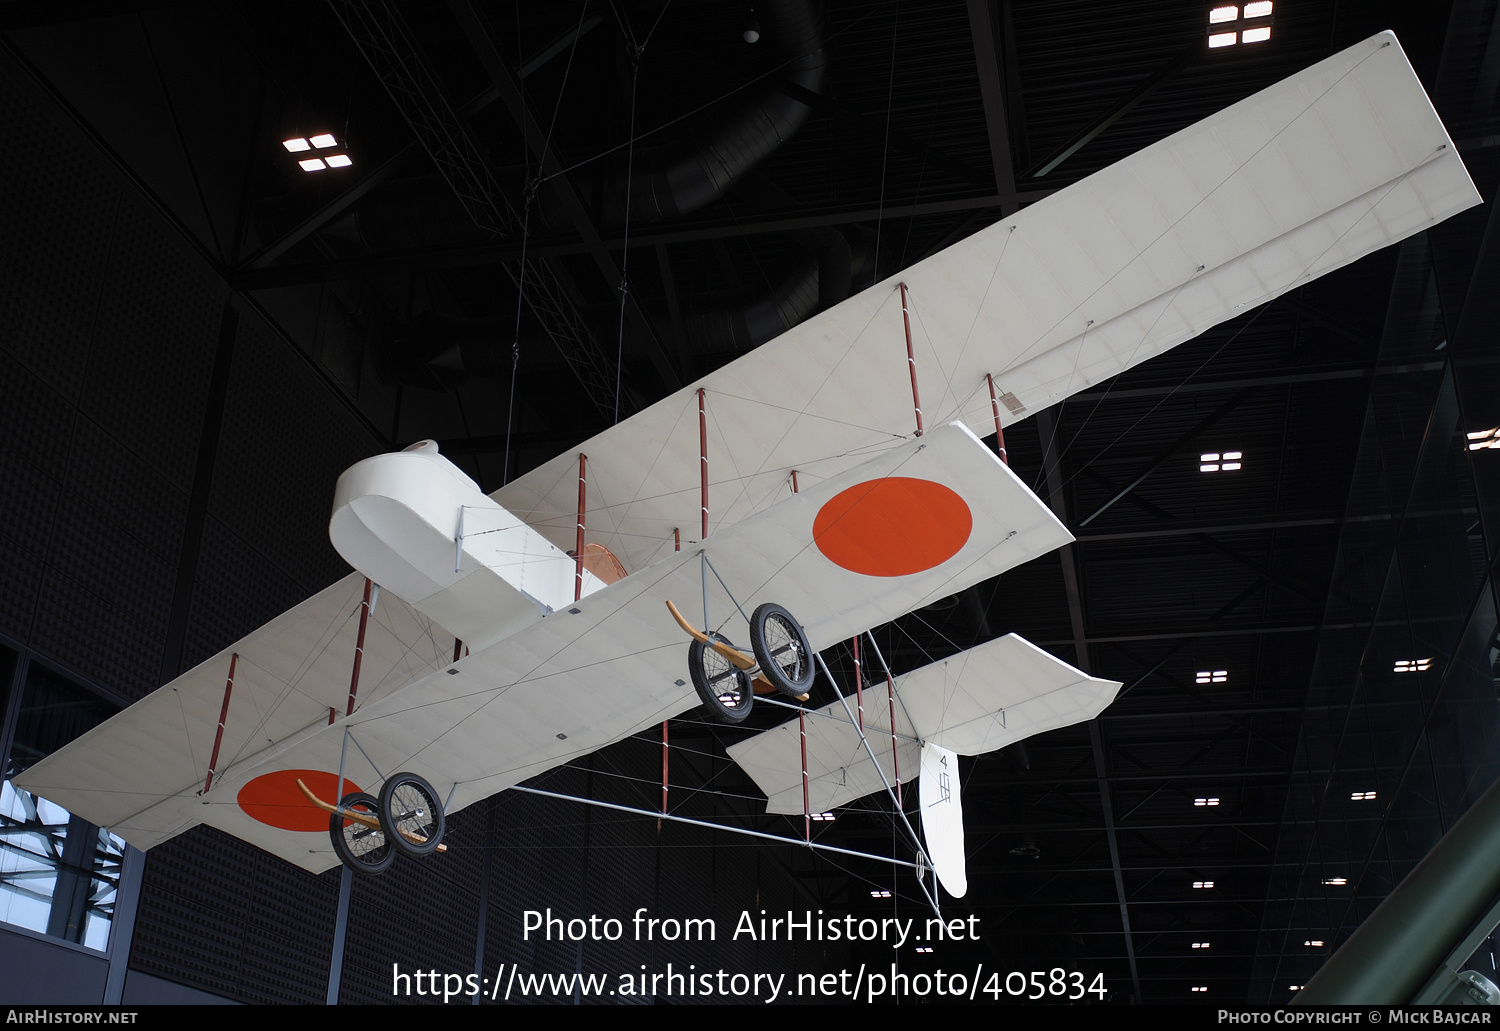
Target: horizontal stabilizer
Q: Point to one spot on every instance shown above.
(977, 701)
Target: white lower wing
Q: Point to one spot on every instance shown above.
(979, 700)
(580, 678)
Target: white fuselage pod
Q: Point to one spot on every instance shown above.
(416, 525)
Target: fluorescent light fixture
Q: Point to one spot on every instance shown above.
(1212, 461)
(1484, 439)
(312, 164)
(1205, 801)
(324, 140)
(1337, 881)
(295, 145)
(924, 948)
(1200, 945)
(1223, 14)
(1362, 796)
(1412, 665)
(1259, 9)
(879, 893)
(1256, 35)
(1200, 988)
(1203, 884)
(1314, 943)
(1294, 987)
(1222, 39)
(1212, 676)
(819, 817)
(338, 161)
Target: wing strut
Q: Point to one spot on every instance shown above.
(359, 647)
(999, 430)
(911, 361)
(213, 760)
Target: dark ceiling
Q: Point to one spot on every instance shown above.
(498, 144)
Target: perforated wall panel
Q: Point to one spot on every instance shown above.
(220, 915)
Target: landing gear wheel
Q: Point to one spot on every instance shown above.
(723, 686)
(782, 650)
(408, 803)
(364, 850)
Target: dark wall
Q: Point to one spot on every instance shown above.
(125, 542)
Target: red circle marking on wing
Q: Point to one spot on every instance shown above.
(892, 527)
(274, 798)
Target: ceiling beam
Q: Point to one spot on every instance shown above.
(1172, 449)
(495, 253)
(1052, 462)
(982, 30)
(538, 143)
(1086, 135)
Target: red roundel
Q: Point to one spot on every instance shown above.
(892, 527)
(275, 799)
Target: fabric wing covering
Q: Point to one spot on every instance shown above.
(611, 666)
(977, 701)
(1300, 179)
(1328, 165)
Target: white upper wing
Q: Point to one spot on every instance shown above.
(1304, 177)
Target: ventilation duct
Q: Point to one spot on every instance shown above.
(670, 184)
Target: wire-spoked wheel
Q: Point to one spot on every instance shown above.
(361, 848)
(724, 687)
(782, 650)
(411, 814)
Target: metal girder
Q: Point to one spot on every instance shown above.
(918, 149)
(385, 169)
(382, 38)
(1114, 114)
(1051, 461)
(492, 253)
(992, 90)
(384, 42)
(1176, 446)
(537, 143)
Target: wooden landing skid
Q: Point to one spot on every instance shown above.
(363, 819)
(745, 662)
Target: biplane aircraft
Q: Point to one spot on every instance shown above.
(817, 487)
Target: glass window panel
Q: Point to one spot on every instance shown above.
(58, 873)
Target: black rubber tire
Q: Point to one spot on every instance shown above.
(712, 674)
(781, 648)
(407, 802)
(365, 850)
